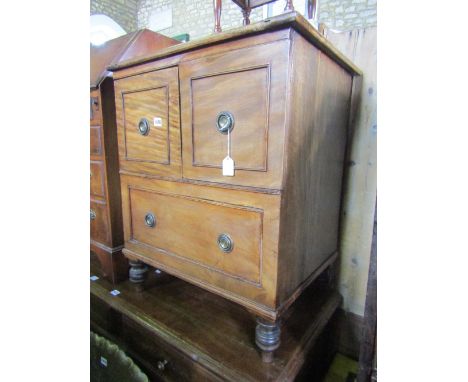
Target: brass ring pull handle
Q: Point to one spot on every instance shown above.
(225, 122)
(225, 243)
(143, 126)
(150, 220)
(92, 214)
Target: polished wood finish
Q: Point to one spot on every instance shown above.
(189, 218)
(250, 83)
(179, 332)
(317, 134)
(106, 214)
(290, 102)
(150, 95)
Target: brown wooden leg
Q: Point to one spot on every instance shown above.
(246, 13)
(137, 274)
(289, 5)
(217, 5)
(311, 9)
(267, 338)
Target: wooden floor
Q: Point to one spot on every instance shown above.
(208, 337)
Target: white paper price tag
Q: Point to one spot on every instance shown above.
(94, 278)
(157, 122)
(228, 166)
(114, 292)
(228, 162)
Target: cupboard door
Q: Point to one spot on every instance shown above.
(147, 109)
(243, 91)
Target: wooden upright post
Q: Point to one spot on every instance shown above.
(289, 6)
(246, 13)
(217, 5)
(311, 9)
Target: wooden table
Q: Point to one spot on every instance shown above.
(175, 331)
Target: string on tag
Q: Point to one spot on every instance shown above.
(229, 143)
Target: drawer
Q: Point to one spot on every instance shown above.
(97, 178)
(244, 89)
(95, 107)
(189, 219)
(147, 110)
(96, 140)
(99, 222)
(222, 237)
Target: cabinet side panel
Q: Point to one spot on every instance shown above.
(315, 147)
(112, 161)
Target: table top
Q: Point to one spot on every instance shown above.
(218, 333)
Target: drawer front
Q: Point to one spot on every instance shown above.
(248, 87)
(192, 227)
(97, 178)
(96, 141)
(99, 222)
(147, 109)
(186, 230)
(95, 107)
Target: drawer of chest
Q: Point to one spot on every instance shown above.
(243, 92)
(96, 141)
(221, 237)
(148, 121)
(97, 178)
(95, 107)
(99, 222)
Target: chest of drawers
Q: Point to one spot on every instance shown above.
(105, 211)
(261, 236)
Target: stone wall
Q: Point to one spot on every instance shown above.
(346, 15)
(194, 17)
(123, 12)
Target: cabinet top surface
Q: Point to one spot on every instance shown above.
(292, 20)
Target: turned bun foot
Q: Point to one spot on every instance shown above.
(137, 274)
(267, 338)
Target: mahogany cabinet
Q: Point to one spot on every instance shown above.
(106, 211)
(276, 96)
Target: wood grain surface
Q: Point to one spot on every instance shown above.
(290, 100)
(150, 95)
(316, 141)
(184, 240)
(204, 337)
(107, 227)
(250, 83)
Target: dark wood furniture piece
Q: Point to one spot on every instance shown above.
(106, 210)
(179, 332)
(278, 94)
